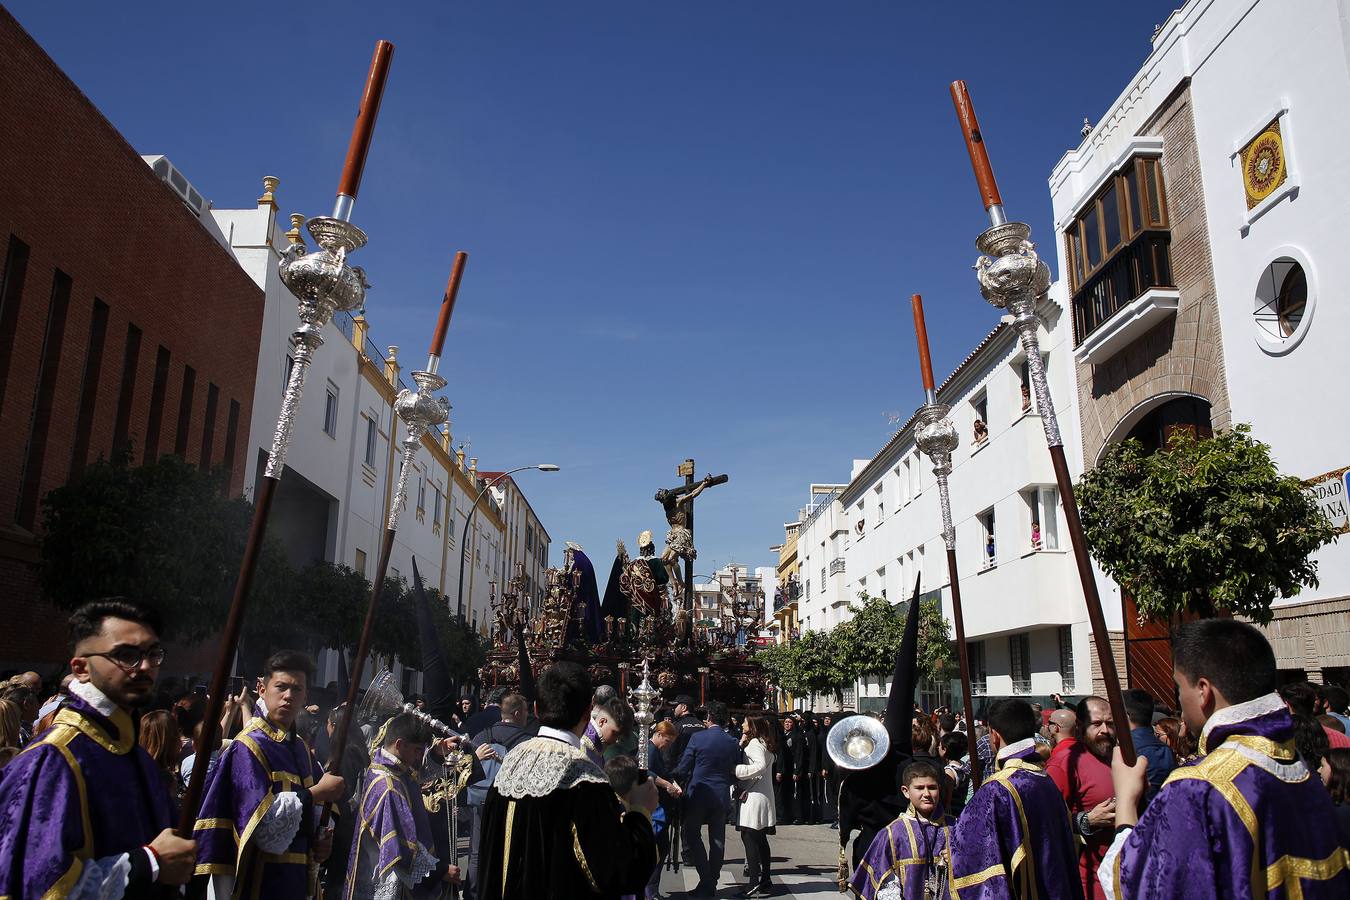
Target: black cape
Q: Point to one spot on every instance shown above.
(553, 828)
(870, 799)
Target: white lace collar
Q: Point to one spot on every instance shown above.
(558, 734)
(1241, 712)
(1015, 748)
(86, 691)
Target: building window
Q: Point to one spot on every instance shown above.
(979, 674)
(93, 366)
(980, 425)
(372, 440)
(436, 509)
(880, 503)
(330, 411)
(1019, 656)
(421, 491)
(989, 550)
(1117, 248)
(359, 562)
(1042, 504)
(1066, 657)
(1284, 303)
(529, 539)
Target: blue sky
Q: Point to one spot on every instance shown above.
(693, 228)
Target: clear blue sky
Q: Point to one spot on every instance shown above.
(693, 227)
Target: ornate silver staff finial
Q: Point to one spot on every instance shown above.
(936, 436)
(324, 284)
(1013, 277)
(420, 411)
(644, 698)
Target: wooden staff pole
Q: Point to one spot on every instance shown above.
(207, 741)
(447, 309)
(962, 653)
(1026, 323)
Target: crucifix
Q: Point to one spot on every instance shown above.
(678, 503)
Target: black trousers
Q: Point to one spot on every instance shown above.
(757, 857)
(801, 800)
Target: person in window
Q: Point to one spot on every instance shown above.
(1026, 397)
(981, 431)
(1035, 535)
(989, 550)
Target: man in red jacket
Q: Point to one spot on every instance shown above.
(1080, 766)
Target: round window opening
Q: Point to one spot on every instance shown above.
(1283, 305)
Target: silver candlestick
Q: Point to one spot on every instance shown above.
(644, 698)
(936, 437)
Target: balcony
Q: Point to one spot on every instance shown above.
(837, 566)
(1129, 295)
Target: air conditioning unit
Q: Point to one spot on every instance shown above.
(178, 183)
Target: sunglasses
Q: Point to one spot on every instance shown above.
(130, 658)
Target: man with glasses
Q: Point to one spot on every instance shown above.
(257, 825)
(84, 812)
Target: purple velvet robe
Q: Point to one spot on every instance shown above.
(909, 850)
(260, 763)
(82, 790)
(1246, 820)
(395, 827)
(1014, 838)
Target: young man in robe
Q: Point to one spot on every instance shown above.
(392, 855)
(257, 826)
(1248, 819)
(84, 812)
(911, 859)
(1014, 839)
(552, 825)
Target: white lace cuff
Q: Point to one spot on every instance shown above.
(1106, 872)
(389, 888)
(103, 879)
(278, 827)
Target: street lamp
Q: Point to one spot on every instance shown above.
(464, 537)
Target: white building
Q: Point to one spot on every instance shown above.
(343, 461)
(821, 542)
(1197, 227)
(1026, 623)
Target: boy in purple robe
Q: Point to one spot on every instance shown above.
(392, 855)
(912, 857)
(1014, 838)
(256, 827)
(84, 812)
(1247, 819)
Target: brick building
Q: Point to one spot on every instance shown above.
(123, 322)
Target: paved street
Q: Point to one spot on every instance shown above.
(805, 858)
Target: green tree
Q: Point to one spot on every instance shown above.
(164, 533)
(1203, 525)
(867, 643)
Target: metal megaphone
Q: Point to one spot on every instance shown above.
(858, 742)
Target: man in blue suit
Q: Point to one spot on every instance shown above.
(708, 770)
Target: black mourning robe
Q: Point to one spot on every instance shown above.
(554, 828)
(870, 799)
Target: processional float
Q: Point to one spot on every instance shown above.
(324, 284)
(1013, 278)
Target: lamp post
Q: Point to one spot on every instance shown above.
(464, 537)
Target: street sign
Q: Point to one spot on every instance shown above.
(1331, 492)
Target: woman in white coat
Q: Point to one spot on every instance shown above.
(757, 819)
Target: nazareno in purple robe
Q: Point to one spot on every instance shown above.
(81, 791)
(1014, 838)
(1246, 820)
(393, 838)
(903, 857)
(262, 762)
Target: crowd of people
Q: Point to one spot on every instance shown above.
(1242, 791)
(1238, 793)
